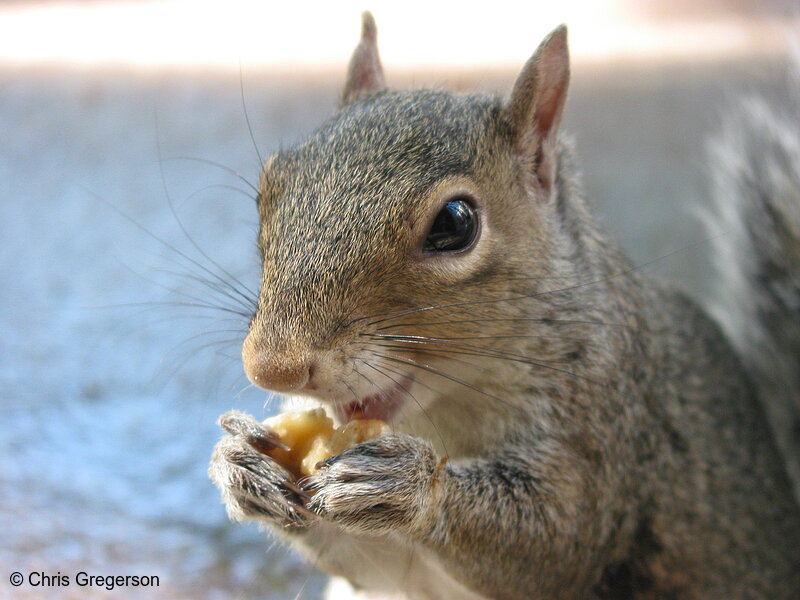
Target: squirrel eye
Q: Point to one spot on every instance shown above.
(454, 228)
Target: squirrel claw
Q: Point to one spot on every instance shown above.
(261, 438)
(295, 489)
(326, 462)
(310, 485)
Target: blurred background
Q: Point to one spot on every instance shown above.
(130, 135)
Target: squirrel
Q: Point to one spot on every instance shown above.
(562, 426)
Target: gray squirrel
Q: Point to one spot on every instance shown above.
(562, 427)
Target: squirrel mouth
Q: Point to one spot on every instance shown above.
(383, 405)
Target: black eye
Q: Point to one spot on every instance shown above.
(454, 228)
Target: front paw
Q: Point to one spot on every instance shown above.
(254, 486)
(385, 485)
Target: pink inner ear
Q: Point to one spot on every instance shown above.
(536, 105)
(552, 81)
(540, 92)
(548, 108)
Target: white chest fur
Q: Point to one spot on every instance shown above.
(379, 568)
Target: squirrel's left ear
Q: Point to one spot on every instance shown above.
(365, 74)
(536, 104)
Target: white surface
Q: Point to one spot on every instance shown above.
(414, 32)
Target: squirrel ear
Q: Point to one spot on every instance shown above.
(536, 104)
(365, 74)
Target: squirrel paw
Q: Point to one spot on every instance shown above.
(380, 486)
(254, 486)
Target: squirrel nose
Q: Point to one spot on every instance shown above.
(278, 371)
(278, 376)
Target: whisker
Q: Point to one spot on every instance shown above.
(187, 273)
(545, 321)
(194, 350)
(462, 349)
(207, 333)
(352, 391)
(367, 379)
(455, 343)
(410, 395)
(194, 244)
(422, 338)
(123, 328)
(271, 397)
(150, 234)
(214, 186)
(243, 390)
(433, 370)
(212, 163)
(418, 382)
(432, 354)
(372, 383)
(247, 117)
(527, 361)
(249, 305)
(154, 305)
(169, 374)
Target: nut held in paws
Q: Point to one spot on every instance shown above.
(311, 437)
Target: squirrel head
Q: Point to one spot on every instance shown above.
(400, 218)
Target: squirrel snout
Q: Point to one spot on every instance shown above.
(279, 376)
(278, 371)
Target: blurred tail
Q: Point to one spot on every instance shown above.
(756, 214)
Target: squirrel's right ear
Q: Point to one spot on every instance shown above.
(536, 104)
(365, 74)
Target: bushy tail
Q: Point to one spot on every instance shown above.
(756, 202)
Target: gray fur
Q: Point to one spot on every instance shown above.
(602, 439)
(756, 223)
